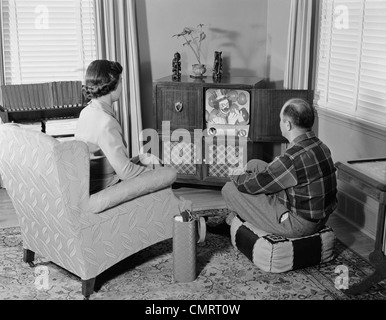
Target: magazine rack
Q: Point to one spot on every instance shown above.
(37, 103)
(369, 177)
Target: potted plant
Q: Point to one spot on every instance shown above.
(193, 38)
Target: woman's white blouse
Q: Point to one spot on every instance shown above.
(98, 127)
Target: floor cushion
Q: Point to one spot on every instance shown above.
(273, 253)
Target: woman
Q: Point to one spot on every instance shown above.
(98, 127)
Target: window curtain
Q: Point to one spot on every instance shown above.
(2, 74)
(302, 44)
(117, 41)
(2, 69)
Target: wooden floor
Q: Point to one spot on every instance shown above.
(210, 199)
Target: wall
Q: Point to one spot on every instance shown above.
(277, 35)
(277, 38)
(240, 29)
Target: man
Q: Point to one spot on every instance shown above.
(294, 195)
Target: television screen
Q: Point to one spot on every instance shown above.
(227, 112)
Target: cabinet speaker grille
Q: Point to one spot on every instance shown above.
(222, 158)
(181, 156)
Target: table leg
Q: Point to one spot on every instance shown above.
(377, 258)
(366, 283)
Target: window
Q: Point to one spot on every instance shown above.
(351, 69)
(47, 40)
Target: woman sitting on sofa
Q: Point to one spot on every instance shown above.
(98, 127)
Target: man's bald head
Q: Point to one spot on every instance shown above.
(299, 112)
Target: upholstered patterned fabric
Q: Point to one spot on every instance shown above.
(273, 253)
(48, 183)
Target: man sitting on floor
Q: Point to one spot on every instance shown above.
(294, 195)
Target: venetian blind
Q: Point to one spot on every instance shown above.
(47, 40)
(351, 69)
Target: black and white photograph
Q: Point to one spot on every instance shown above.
(193, 157)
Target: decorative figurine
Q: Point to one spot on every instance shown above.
(176, 64)
(217, 67)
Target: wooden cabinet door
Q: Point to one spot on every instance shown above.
(182, 106)
(265, 115)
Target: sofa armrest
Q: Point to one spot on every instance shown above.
(127, 190)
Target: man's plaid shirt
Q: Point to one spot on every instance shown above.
(306, 175)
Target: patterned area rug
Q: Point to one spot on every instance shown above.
(223, 273)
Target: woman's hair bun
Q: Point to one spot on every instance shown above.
(102, 77)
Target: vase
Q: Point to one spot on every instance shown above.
(198, 70)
